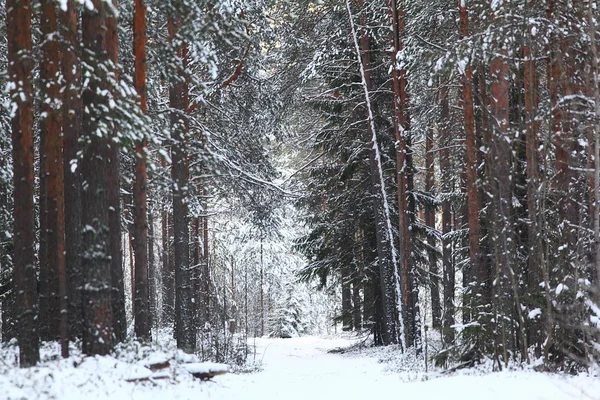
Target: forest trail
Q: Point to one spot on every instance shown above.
(301, 368)
(293, 369)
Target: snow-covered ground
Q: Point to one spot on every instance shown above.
(298, 368)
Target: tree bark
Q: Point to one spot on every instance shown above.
(185, 332)
(501, 168)
(436, 308)
(114, 192)
(404, 180)
(534, 274)
(96, 256)
(206, 292)
(386, 248)
(596, 188)
(55, 286)
(471, 164)
(447, 259)
(20, 73)
(166, 272)
(346, 300)
(142, 318)
(71, 119)
(152, 296)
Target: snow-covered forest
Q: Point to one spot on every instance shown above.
(285, 190)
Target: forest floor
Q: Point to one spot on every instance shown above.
(299, 368)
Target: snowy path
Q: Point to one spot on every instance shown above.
(294, 369)
(302, 369)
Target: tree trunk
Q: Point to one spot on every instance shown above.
(471, 164)
(262, 291)
(55, 286)
(71, 130)
(534, 273)
(502, 234)
(447, 260)
(185, 332)
(404, 180)
(152, 297)
(142, 317)
(96, 256)
(167, 272)
(346, 300)
(436, 309)
(114, 193)
(356, 300)
(20, 73)
(43, 267)
(596, 188)
(386, 248)
(206, 293)
(196, 270)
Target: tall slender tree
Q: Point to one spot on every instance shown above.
(142, 317)
(54, 286)
(185, 334)
(20, 73)
(71, 119)
(114, 184)
(96, 159)
(471, 164)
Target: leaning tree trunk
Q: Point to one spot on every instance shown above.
(96, 256)
(386, 248)
(20, 74)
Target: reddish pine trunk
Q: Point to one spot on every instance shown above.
(55, 286)
(20, 73)
(114, 199)
(142, 325)
(483, 277)
(71, 119)
(402, 174)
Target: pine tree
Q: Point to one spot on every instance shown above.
(20, 71)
